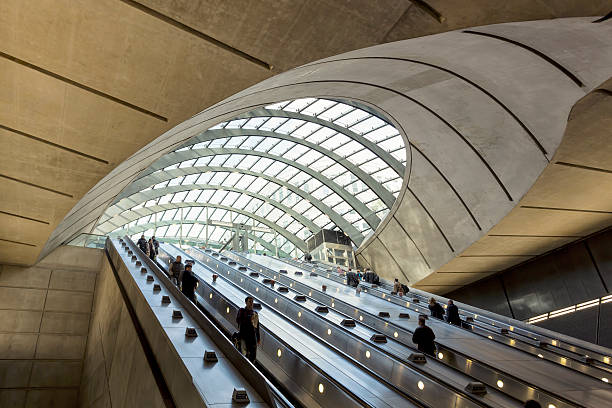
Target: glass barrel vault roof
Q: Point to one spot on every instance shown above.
(287, 170)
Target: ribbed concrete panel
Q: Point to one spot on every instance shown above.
(380, 261)
(421, 226)
(394, 238)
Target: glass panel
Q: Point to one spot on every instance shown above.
(336, 141)
(295, 152)
(192, 196)
(169, 215)
(349, 148)
(254, 123)
(236, 124)
(299, 104)
(272, 123)
(179, 197)
(175, 181)
(196, 230)
(231, 180)
(218, 142)
(218, 178)
(318, 107)
(274, 169)
(368, 125)
(217, 197)
(190, 179)
(321, 135)
(306, 130)
(289, 126)
(352, 118)
(257, 185)
(203, 161)
(235, 141)
(281, 148)
(309, 157)
(165, 199)
(251, 142)
(205, 196)
(230, 198)
(384, 175)
(193, 213)
(248, 162)
(335, 112)
(205, 178)
(267, 144)
(187, 163)
(381, 133)
(218, 160)
(245, 181)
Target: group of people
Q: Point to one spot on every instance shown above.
(182, 276)
(423, 336)
(150, 247)
(451, 315)
(399, 288)
(353, 278)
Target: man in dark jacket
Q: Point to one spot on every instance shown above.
(436, 309)
(248, 326)
(143, 244)
(352, 279)
(155, 245)
(176, 270)
(189, 283)
(452, 314)
(424, 337)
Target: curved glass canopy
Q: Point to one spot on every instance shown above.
(286, 170)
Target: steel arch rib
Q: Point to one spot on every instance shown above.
(176, 157)
(152, 179)
(145, 196)
(385, 195)
(143, 212)
(377, 150)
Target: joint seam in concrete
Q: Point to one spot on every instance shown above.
(59, 146)
(24, 217)
(534, 51)
(197, 33)
(36, 185)
(82, 86)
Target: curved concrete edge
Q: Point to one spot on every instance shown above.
(477, 109)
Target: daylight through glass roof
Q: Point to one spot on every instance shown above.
(287, 170)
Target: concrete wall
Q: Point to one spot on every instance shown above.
(45, 313)
(576, 273)
(116, 372)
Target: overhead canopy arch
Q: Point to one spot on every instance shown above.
(144, 215)
(161, 178)
(321, 163)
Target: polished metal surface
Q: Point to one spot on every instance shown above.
(523, 376)
(304, 361)
(554, 347)
(172, 348)
(388, 359)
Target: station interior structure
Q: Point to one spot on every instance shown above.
(462, 148)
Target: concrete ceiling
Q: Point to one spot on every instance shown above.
(85, 84)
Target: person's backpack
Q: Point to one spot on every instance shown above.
(405, 288)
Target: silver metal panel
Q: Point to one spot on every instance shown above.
(518, 382)
(148, 304)
(306, 369)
